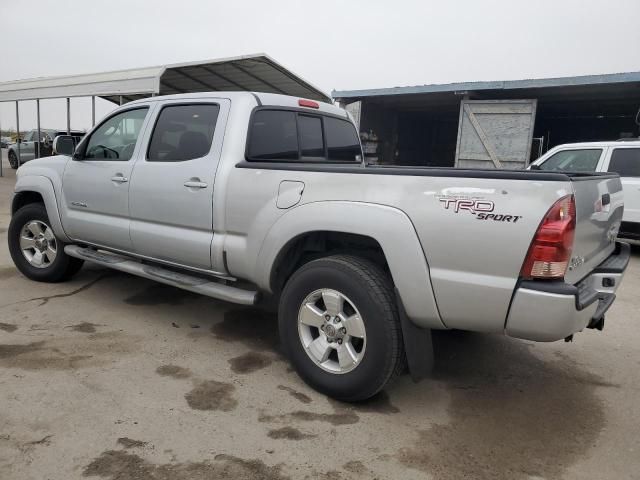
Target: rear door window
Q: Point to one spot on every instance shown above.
(585, 160)
(342, 140)
(626, 162)
(183, 132)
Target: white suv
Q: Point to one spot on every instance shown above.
(622, 157)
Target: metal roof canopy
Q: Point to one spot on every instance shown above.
(578, 81)
(258, 73)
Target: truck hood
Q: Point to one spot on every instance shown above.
(43, 165)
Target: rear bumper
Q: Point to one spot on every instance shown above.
(550, 311)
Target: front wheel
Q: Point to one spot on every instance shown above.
(339, 325)
(13, 160)
(34, 248)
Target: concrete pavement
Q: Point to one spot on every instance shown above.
(110, 376)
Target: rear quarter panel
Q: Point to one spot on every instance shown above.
(473, 264)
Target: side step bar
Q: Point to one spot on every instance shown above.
(163, 275)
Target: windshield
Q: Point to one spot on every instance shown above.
(573, 160)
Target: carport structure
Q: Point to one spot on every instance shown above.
(253, 73)
(493, 124)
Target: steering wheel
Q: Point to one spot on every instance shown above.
(106, 152)
(127, 151)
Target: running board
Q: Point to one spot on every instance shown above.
(163, 275)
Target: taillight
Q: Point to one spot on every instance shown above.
(308, 103)
(550, 251)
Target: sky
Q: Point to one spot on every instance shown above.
(334, 44)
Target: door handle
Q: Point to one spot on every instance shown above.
(119, 179)
(195, 184)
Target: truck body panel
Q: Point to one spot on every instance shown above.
(454, 240)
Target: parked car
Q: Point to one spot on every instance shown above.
(622, 157)
(251, 197)
(28, 145)
(5, 142)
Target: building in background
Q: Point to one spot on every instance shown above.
(502, 124)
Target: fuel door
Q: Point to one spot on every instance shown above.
(289, 193)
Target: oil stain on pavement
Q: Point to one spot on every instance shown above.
(173, 371)
(250, 362)
(8, 327)
(7, 272)
(341, 416)
(212, 395)
(288, 433)
(256, 329)
(355, 466)
(67, 353)
(121, 465)
(512, 414)
(127, 443)
(301, 397)
(84, 327)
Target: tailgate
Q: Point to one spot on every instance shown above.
(599, 206)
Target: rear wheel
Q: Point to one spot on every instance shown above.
(339, 325)
(13, 160)
(34, 248)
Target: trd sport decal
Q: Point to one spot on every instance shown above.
(482, 209)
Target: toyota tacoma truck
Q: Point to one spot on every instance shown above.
(254, 197)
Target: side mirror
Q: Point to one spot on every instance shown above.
(64, 145)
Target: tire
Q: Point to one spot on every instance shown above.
(53, 268)
(13, 160)
(368, 293)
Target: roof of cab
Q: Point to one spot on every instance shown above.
(269, 99)
(605, 143)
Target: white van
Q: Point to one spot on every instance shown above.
(622, 157)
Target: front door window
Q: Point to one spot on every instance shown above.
(116, 138)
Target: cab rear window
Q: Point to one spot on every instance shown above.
(291, 135)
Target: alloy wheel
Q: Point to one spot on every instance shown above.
(332, 331)
(38, 244)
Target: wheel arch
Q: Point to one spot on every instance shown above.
(320, 243)
(39, 189)
(386, 231)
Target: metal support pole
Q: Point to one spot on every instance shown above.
(38, 121)
(18, 129)
(1, 175)
(68, 116)
(93, 111)
(120, 99)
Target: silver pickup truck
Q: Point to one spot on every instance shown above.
(251, 197)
